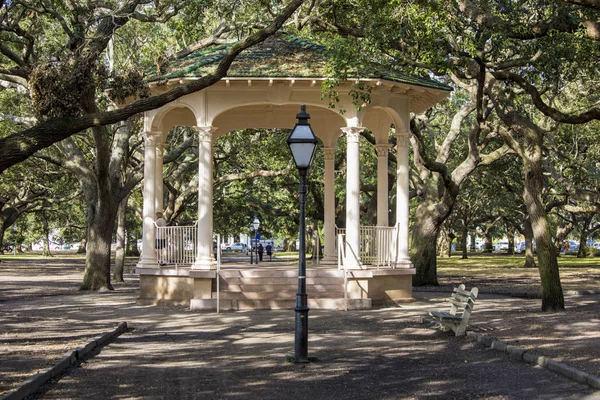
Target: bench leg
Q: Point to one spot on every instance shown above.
(460, 329)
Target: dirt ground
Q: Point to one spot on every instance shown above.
(385, 353)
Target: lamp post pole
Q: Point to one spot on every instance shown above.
(256, 244)
(251, 253)
(301, 309)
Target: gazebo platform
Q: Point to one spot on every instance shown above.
(273, 285)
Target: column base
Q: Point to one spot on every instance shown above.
(204, 264)
(150, 262)
(329, 260)
(404, 263)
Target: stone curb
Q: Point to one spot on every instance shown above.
(532, 358)
(71, 358)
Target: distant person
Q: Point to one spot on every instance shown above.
(260, 249)
(567, 245)
(161, 241)
(269, 249)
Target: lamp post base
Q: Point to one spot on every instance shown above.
(291, 359)
(301, 340)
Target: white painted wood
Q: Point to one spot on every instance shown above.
(461, 305)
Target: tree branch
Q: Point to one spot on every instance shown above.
(19, 146)
(537, 100)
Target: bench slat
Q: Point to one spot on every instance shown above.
(445, 316)
(465, 293)
(463, 296)
(458, 304)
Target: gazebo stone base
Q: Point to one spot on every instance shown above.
(383, 287)
(251, 289)
(174, 286)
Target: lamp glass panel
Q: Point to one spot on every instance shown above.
(302, 153)
(302, 132)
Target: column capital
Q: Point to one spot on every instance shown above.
(382, 149)
(205, 133)
(328, 153)
(352, 132)
(150, 137)
(402, 139)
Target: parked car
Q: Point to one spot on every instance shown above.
(520, 248)
(237, 246)
(501, 246)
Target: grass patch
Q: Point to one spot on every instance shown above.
(37, 254)
(580, 273)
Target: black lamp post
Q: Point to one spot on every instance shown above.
(303, 143)
(255, 224)
(251, 252)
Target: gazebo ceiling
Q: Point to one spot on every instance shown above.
(325, 122)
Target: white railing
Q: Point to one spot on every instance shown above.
(378, 245)
(176, 245)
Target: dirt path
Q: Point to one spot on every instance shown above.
(385, 353)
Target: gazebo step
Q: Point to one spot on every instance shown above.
(265, 287)
(278, 304)
(270, 280)
(275, 295)
(278, 273)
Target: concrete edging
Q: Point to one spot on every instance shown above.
(532, 358)
(71, 358)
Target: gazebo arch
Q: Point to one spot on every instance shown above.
(260, 94)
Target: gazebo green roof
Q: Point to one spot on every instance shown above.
(279, 56)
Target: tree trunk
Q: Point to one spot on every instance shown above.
(423, 249)
(97, 260)
(449, 241)
(46, 241)
(552, 294)
(82, 246)
(316, 242)
(473, 244)
(488, 246)
(1, 238)
(582, 252)
(511, 243)
(529, 252)
(131, 248)
(120, 250)
(463, 243)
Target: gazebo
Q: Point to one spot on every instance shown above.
(264, 88)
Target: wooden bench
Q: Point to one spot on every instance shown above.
(461, 306)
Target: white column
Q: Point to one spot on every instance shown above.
(402, 198)
(204, 254)
(159, 178)
(352, 260)
(382, 184)
(330, 254)
(148, 258)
